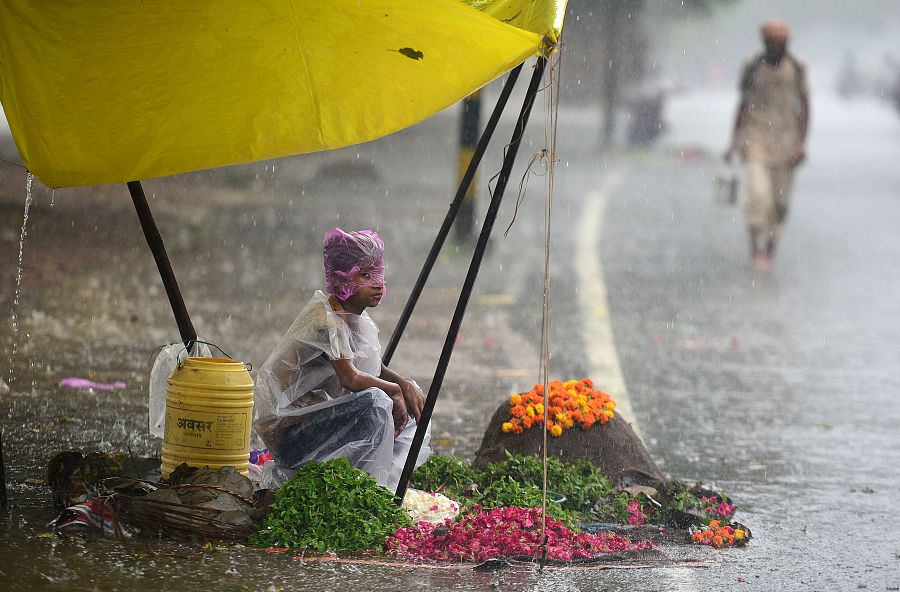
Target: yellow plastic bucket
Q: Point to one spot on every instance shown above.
(209, 413)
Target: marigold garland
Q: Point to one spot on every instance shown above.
(571, 402)
(718, 535)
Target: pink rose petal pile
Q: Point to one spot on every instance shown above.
(723, 509)
(502, 532)
(637, 516)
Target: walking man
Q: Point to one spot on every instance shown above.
(770, 136)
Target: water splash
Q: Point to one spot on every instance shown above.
(52, 197)
(13, 317)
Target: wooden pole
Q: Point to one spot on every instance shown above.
(154, 240)
(471, 276)
(461, 193)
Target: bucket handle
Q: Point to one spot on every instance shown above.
(224, 353)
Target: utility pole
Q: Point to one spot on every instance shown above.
(468, 138)
(612, 54)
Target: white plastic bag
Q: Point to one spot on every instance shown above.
(161, 368)
(402, 444)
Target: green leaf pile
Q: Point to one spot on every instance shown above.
(517, 481)
(331, 506)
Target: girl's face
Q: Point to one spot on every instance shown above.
(368, 293)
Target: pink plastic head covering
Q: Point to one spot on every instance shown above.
(348, 253)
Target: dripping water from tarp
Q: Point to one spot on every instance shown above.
(13, 313)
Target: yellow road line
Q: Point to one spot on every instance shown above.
(603, 361)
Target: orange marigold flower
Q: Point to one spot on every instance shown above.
(570, 402)
(714, 524)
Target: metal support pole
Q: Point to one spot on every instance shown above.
(469, 283)
(468, 139)
(451, 216)
(154, 240)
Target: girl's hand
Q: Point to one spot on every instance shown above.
(414, 397)
(399, 411)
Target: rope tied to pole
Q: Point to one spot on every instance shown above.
(543, 155)
(551, 105)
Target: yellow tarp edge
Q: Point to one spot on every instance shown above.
(109, 92)
(544, 17)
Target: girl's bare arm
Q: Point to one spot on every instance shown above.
(354, 380)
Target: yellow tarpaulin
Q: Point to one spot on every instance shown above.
(544, 17)
(113, 91)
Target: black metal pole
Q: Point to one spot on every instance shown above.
(469, 283)
(154, 240)
(461, 192)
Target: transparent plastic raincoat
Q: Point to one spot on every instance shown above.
(302, 412)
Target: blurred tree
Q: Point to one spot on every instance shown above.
(609, 42)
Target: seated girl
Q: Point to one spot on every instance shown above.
(324, 392)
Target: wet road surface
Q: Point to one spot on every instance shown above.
(779, 388)
(782, 387)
